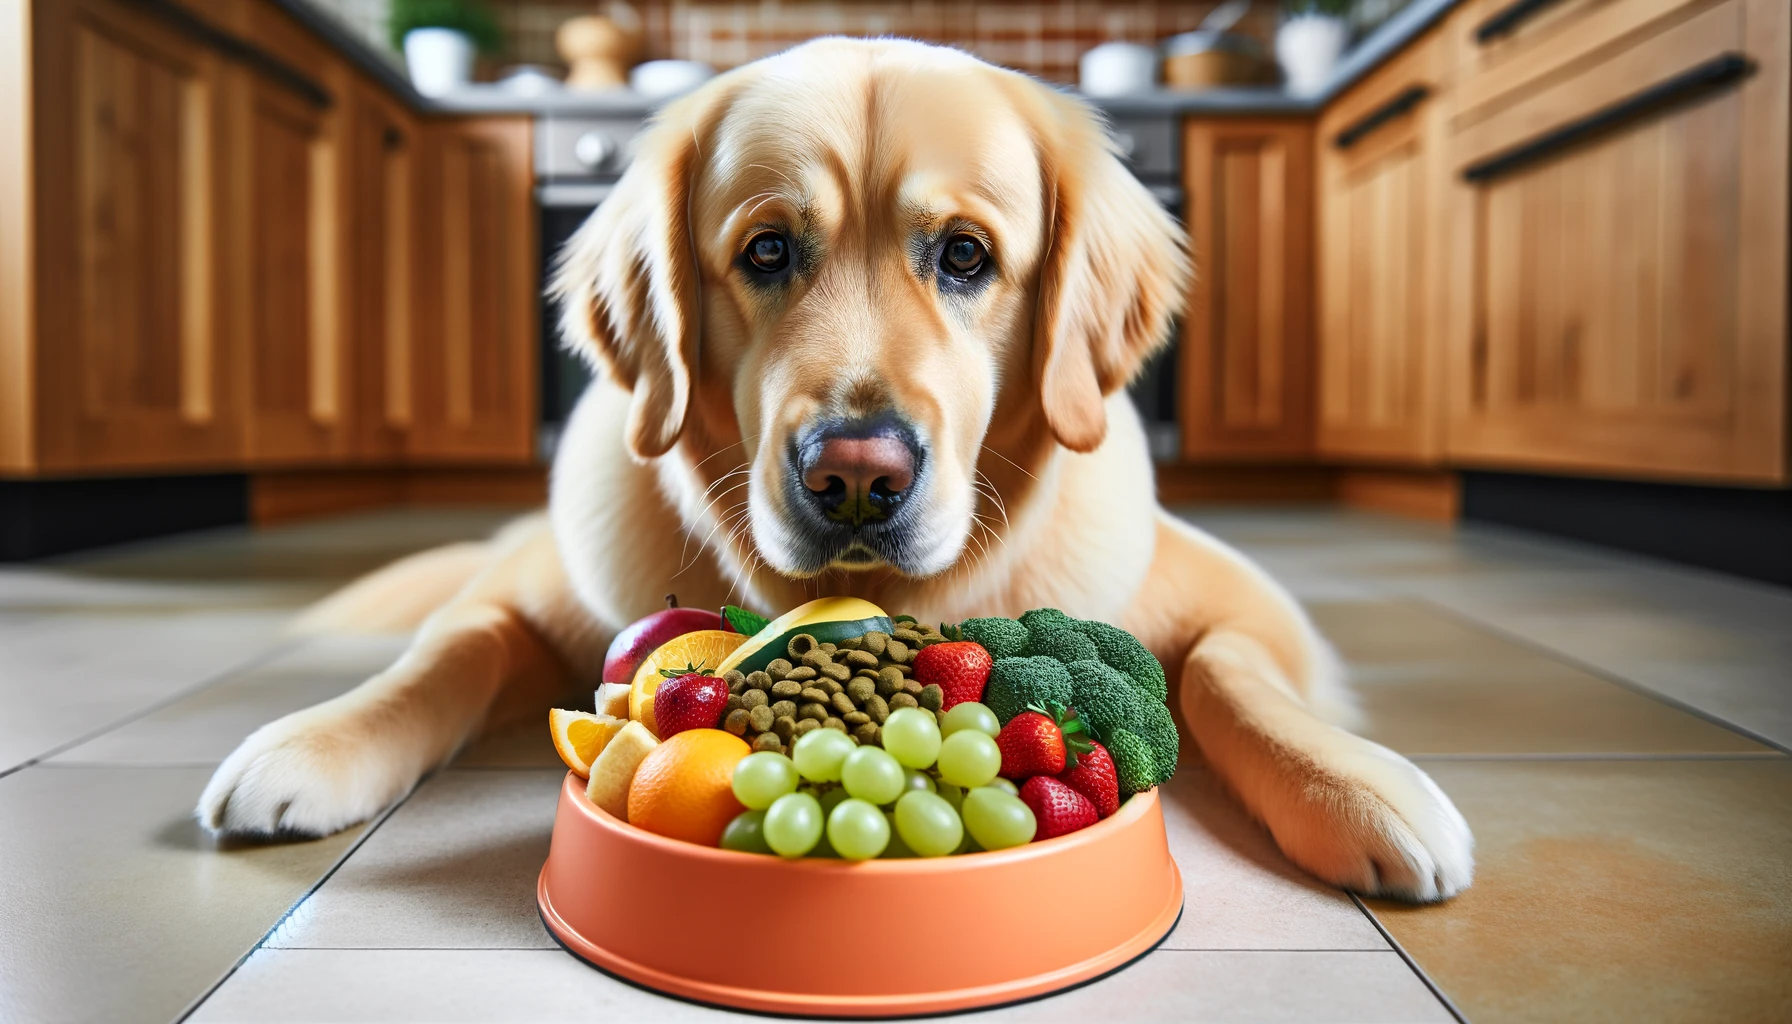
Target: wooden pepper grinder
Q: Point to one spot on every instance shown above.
(598, 50)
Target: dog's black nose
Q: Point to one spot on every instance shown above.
(857, 475)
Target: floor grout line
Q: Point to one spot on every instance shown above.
(222, 676)
(1449, 1004)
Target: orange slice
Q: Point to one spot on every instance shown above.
(700, 651)
(580, 736)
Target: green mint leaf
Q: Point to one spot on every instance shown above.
(745, 623)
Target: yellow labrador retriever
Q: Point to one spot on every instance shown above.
(863, 313)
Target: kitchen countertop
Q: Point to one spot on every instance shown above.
(1367, 55)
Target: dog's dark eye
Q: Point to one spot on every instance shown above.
(768, 252)
(963, 256)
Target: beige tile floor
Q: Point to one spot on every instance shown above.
(1613, 729)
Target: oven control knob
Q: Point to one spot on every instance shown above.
(594, 149)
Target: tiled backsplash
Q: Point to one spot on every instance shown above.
(1043, 37)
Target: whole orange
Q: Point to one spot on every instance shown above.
(684, 788)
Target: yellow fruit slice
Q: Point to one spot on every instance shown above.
(703, 650)
(614, 769)
(579, 737)
(612, 699)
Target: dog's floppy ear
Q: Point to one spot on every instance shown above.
(627, 280)
(1115, 273)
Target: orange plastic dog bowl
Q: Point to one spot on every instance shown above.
(907, 936)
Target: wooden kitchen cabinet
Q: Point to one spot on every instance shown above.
(1380, 311)
(1618, 226)
(380, 253)
(1247, 344)
(476, 357)
(120, 348)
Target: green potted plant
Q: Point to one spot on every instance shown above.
(438, 39)
(1310, 41)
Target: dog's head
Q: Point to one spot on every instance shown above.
(844, 263)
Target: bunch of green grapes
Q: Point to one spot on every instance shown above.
(932, 789)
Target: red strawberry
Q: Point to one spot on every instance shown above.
(960, 667)
(690, 701)
(1040, 741)
(1057, 809)
(1093, 775)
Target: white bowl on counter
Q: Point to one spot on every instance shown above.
(658, 79)
(1117, 69)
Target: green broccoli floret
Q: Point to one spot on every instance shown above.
(1104, 698)
(1015, 683)
(1133, 762)
(1122, 650)
(1002, 638)
(1062, 644)
(1157, 728)
(1044, 618)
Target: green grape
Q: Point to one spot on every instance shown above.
(911, 735)
(760, 779)
(970, 715)
(818, 755)
(793, 824)
(913, 779)
(1004, 785)
(969, 758)
(997, 820)
(831, 799)
(871, 774)
(951, 794)
(746, 833)
(857, 830)
(897, 848)
(928, 824)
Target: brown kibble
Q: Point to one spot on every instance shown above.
(841, 703)
(831, 686)
(778, 668)
(904, 670)
(817, 659)
(759, 681)
(877, 708)
(851, 643)
(804, 727)
(855, 718)
(859, 689)
(814, 695)
(875, 641)
(866, 673)
(865, 733)
(799, 645)
(785, 689)
(816, 711)
(906, 634)
(931, 697)
(800, 674)
(912, 687)
(754, 699)
(768, 741)
(784, 709)
(760, 718)
(888, 681)
(736, 722)
(835, 724)
(738, 685)
(733, 701)
(786, 728)
(903, 700)
(838, 673)
(733, 677)
(829, 649)
(898, 652)
(860, 659)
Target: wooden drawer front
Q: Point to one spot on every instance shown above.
(1621, 300)
(1504, 49)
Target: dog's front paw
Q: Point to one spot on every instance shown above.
(1366, 819)
(311, 773)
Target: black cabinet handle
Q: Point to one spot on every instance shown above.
(1507, 19)
(1405, 100)
(240, 51)
(1713, 74)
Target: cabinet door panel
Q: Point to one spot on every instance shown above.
(1247, 343)
(128, 222)
(381, 252)
(1610, 318)
(476, 364)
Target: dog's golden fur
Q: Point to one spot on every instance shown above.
(673, 474)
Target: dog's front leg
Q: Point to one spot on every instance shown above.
(326, 767)
(1350, 811)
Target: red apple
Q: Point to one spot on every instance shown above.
(632, 646)
(690, 701)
